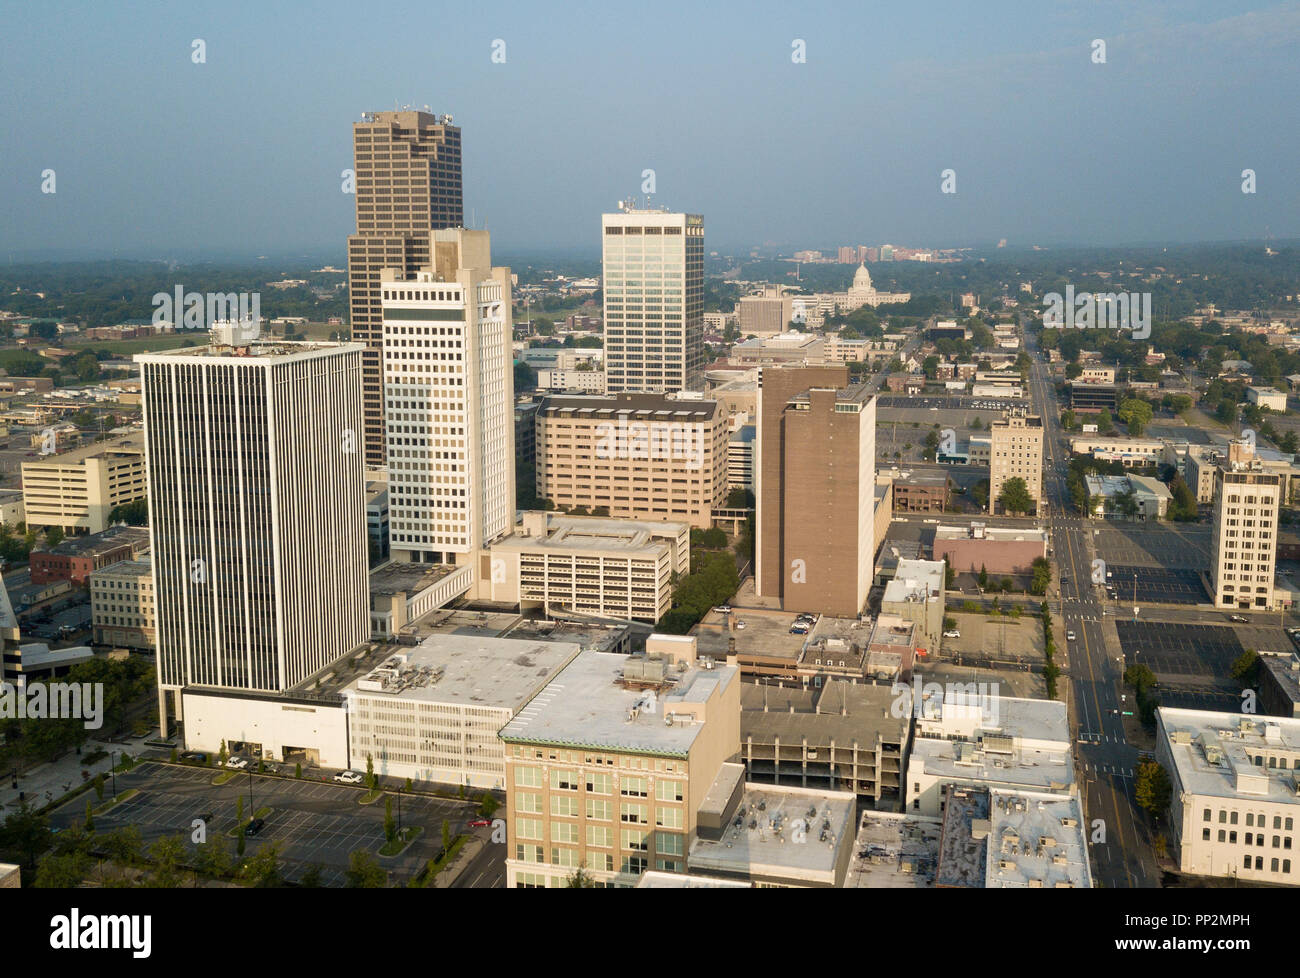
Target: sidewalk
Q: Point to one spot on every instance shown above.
(464, 857)
(45, 782)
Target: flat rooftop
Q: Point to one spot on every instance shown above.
(1036, 841)
(588, 705)
(467, 670)
(138, 567)
(894, 851)
(636, 407)
(1215, 754)
(839, 711)
(127, 445)
(789, 833)
(1285, 669)
(97, 543)
(404, 578)
(277, 350)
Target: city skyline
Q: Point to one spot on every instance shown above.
(986, 96)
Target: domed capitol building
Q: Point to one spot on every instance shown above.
(861, 293)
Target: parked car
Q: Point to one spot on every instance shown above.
(1239, 619)
(348, 777)
(236, 763)
(480, 823)
(254, 826)
(195, 755)
(740, 624)
(952, 633)
(724, 608)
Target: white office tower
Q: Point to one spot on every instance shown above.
(653, 267)
(449, 402)
(256, 512)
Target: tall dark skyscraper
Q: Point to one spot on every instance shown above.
(408, 183)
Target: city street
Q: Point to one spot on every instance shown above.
(1104, 760)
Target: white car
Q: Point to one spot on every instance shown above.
(237, 763)
(348, 777)
(952, 633)
(740, 624)
(1069, 636)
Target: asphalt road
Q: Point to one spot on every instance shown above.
(1104, 760)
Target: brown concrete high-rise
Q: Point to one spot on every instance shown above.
(408, 184)
(815, 487)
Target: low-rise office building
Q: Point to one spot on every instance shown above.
(998, 839)
(614, 568)
(122, 605)
(976, 737)
(77, 490)
(998, 549)
(76, 558)
(917, 594)
(1236, 793)
(1127, 497)
(431, 713)
(608, 766)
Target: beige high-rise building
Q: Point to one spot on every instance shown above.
(1016, 452)
(1243, 550)
(608, 766)
(449, 402)
(77, 490)
(815, 477)
(640, 456)
(766, 314)
(653, 265)
(408, 183)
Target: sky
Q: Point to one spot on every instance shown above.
(156, 156)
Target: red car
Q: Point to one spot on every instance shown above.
(480, 823)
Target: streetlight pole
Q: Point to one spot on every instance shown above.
(112, 769)
(251, 809)
(399, 811)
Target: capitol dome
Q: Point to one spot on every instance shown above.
(862, 279)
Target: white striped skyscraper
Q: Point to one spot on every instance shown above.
(256, 512)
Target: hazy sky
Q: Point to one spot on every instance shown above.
(156, 156)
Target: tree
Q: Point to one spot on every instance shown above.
(390, 825)
(1041, 576)
(1105, 423)
(53, 536)
(26, 831)
(123, 845)
(1136, 413)
(263, 870)
(364, 872)
(166, 855)
(580, 880)
(1068, 420)
(487, 805)
(983, 577)
(371, 781)
(1243, 667)
(312, 878)
(132, 514)
(1152, 787)
(62, 872)
(446, 836)
(1014, 497)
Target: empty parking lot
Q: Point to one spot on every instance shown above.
(313, 823)
(1190, 662)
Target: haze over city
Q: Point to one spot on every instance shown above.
(157, 156)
